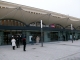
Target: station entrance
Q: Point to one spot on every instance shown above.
(7, 36)
(35, 34)
(54, 36)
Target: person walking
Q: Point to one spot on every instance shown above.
(24, 44)
(17, 41)
(37, 40)
(13, 41)
(32, 40)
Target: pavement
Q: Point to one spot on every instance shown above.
(59, 50)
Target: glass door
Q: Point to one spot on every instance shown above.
(54, 36)
(35, 34)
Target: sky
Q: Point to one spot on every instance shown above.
(67, 7)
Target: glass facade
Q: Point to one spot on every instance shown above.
(54, 33)
(10, 22)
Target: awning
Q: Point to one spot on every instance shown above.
(30, 16)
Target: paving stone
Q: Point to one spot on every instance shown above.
(61, 50)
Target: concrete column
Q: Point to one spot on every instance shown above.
(64, 33)
(27, 35)
(76, 35)
(60, 36)
(46, 36)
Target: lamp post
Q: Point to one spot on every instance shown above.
(41, 35)
(72, 32)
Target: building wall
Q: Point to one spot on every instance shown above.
(46, 36)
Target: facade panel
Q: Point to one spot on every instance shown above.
(56, 27)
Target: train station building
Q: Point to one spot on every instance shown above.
(16, 19)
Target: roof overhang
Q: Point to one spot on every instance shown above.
(27, 16)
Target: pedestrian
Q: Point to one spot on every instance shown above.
(17, 41)
(13, 41)
(32, 40)
(74, 38)
(24, 44)
(37, 40)
(63, 38)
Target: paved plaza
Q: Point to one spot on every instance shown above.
(60, 50)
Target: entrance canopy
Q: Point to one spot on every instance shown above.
(28, 16)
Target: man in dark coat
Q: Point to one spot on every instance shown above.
(17, 41)
(24, 44)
